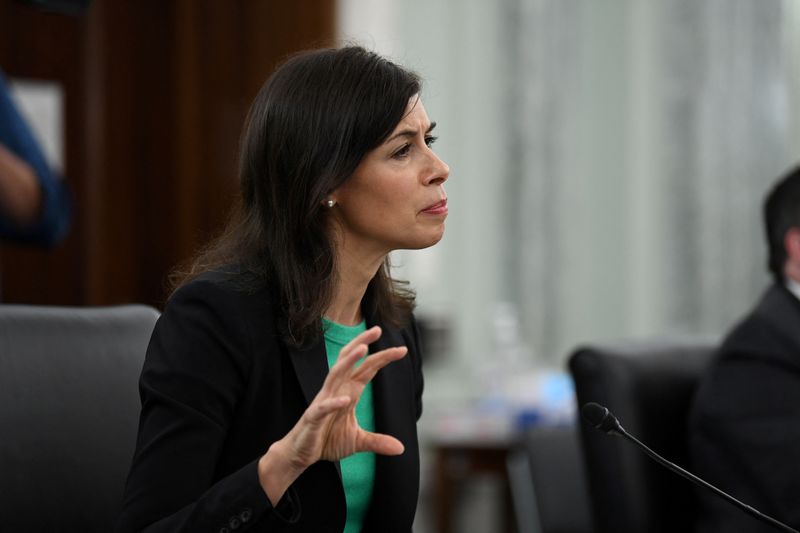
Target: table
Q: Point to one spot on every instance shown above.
(459, 458)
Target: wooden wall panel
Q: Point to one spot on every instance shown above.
(157, 93)
(135, 75)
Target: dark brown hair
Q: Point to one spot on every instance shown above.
(310, 126)
(781, 213)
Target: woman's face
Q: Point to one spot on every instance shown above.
(395, 199)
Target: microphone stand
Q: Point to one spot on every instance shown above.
(601, 419)
(691, 477)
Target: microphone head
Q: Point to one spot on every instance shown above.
(600, 418)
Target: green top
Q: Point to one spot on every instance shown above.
(358, 470)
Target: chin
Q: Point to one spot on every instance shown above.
(426, 241)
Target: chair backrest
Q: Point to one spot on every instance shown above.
(648, 385)
(69, 410)
(548, 482)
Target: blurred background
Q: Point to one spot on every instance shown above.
(608, 162)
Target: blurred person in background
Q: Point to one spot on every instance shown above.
(259, 407)
(745, 422)
(35, 205)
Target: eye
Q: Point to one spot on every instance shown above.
(402, 152)
(430, 139)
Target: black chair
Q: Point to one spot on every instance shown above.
(548, 482)
(648, 385)
(69, 410)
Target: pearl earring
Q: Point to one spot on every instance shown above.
(331, 203)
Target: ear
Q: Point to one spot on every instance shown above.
(791, 243)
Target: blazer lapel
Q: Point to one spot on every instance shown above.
(311, 367)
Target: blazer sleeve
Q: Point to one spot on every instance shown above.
(196, 367)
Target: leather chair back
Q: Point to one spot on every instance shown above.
(69, 409)
(547, 478)
(648, 385)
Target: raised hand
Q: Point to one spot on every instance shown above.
(328, 430)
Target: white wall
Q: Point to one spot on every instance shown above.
(792, 36)
(672, 120)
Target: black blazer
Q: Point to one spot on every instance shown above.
(745, 422)
(218, 387)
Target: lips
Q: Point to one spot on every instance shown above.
(439, 208)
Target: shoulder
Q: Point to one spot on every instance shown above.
(759, 360)
(408, 327)
(770, 333)
(404, 334)
(409, 330)
(217, 312)
(224, 289)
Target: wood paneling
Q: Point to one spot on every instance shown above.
(156, 95)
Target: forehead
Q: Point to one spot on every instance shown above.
(414, 116)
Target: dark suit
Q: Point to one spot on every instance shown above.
(218, 387)
(745, 422)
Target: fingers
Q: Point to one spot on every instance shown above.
(317, 411)
(321, 408)
(364, 338)
(350, 354)
(380, 444)
(344, 365)
(366, 371)
(344, 369)
(353, 351)
(376, 361)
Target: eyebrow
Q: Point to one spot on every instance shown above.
(410, 133)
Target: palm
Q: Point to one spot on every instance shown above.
(343, 436)
(328, 430)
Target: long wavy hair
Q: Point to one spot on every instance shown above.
(309, 127)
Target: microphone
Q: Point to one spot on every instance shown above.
(601, 418)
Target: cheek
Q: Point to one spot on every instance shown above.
(380, 202)
(386, 197)
(383, 215)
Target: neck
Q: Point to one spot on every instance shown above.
(793, 286)
(791, 271)
(355, 268)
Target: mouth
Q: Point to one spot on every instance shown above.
(439, 208)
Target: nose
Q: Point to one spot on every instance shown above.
(438, 171)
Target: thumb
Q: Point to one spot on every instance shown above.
(380, 444)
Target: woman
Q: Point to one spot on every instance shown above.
(259, 409)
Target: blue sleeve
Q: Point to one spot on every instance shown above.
(56, 214)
